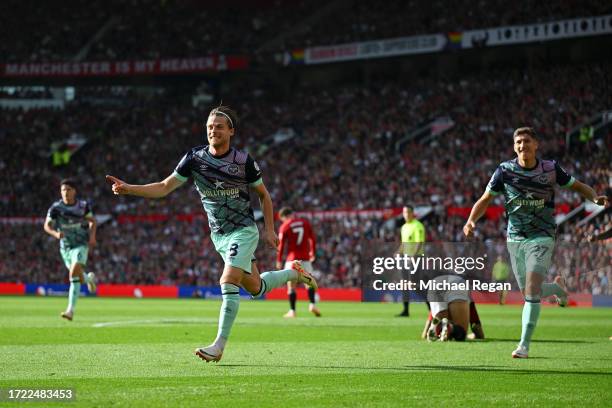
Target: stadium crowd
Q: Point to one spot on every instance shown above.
(116, 30)
(360, 21)
(343, 157)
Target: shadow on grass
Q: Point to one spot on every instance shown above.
(499, 369)
(481, 368)
(515, 340)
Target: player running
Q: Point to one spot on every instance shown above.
(224, 176)
(528, 186)
(295, 235)
(73, 223)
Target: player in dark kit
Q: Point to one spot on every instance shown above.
(73, 223)
(224, 176)
(528, 185)
(296, 236)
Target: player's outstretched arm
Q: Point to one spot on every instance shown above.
(49, 230)
(587, 192)
(477, 212)
(265, 201)
(153, 190)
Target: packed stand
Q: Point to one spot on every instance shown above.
(344, 135)
(60, 31)
(34, 31)
(360, 21)
(171, 29)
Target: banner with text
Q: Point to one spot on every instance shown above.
(421, 44)
(170, 66)
(550, 31)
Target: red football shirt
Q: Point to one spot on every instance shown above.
(296, 235)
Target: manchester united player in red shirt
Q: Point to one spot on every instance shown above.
(296, 236)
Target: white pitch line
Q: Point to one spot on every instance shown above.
(153, 321)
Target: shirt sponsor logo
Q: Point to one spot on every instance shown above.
(529, 203)
(72, 225)
(231, 193)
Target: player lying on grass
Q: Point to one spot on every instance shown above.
(224, 176)
(474, 320)
(73, 223)
(528, 185)
(451, 314)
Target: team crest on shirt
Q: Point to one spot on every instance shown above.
(233, 169)
(544, 179)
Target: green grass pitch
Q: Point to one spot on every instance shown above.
(139, 352)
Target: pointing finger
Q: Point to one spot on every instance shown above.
(113, 179)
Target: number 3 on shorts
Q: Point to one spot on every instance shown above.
(233, 250)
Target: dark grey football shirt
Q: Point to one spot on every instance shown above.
(223, 184)
(529, 197)
(72, 221)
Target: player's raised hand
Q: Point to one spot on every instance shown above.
(271, 239)
(468, 229)
(601, 200)
(119, 186)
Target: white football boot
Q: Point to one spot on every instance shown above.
(561, 300)
(210, 353)
(520, 352)
(91, 282)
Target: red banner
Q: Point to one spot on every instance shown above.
(22, 220)
(137, 291)
(349, 213)
(12, 289)
(495, 212)
(133, 219)
(326, 295)
(168, 66)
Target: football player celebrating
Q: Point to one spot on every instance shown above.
(528, 185)
(224, 176)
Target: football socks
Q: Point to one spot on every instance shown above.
(549, 289)
(275, 279)
(457, 332)
(292, 299)
(73, 293)
(531, 313)
(474, 318)
(311, 295)
(229, 309)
